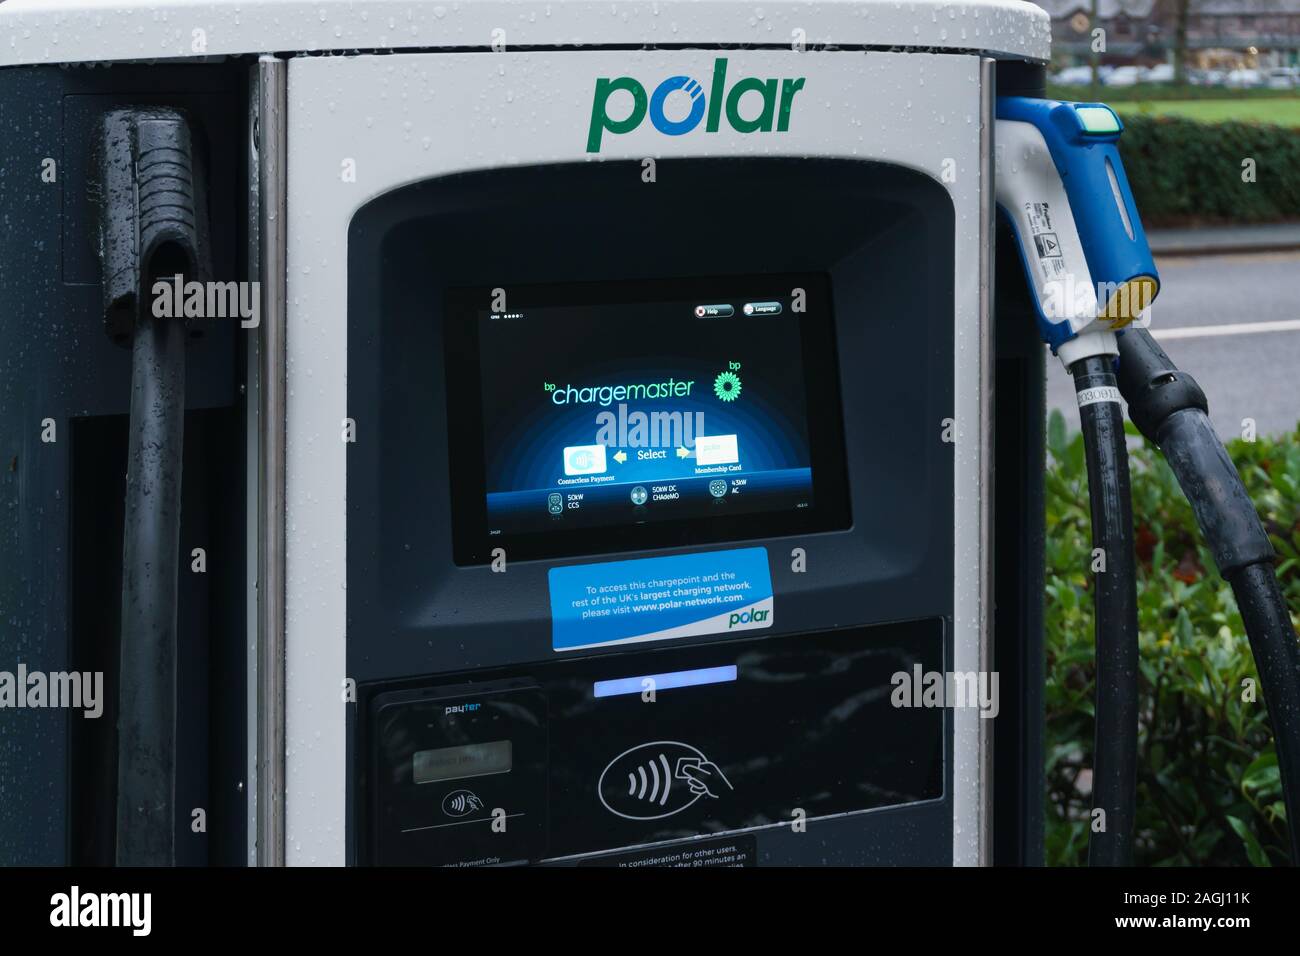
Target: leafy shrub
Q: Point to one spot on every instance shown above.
(1208, 784)
(1182, 170)
(1146, 92)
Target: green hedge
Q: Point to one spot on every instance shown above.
(1148, 92)
(1183, 171)
(1208, 786)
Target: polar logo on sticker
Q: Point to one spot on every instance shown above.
(659, 779)
(756, 616)
(661, 598)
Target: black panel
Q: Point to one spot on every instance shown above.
(437, 800)
(94, 621)
(808, 723)
(60, 542)
(1018, 543)
(210, 660)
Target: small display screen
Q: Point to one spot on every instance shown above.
(644, 413)
(456, 763)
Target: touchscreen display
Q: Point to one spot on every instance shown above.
(600, 407)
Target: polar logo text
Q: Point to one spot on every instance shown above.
(776, 96)
(752, 616)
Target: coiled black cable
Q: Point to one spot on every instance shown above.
(1277, 658)
(1169, 408)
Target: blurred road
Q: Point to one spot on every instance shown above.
(1233, 322)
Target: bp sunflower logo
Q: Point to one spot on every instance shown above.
(727, 386)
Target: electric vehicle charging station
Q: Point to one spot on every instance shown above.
(445, 630)
(626, 240)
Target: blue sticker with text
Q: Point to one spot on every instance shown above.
(656, 599)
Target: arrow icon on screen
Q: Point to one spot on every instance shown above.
(683, 452)
(620, 456)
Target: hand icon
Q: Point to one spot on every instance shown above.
(704, 777)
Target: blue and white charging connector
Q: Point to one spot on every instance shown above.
(1061, 184)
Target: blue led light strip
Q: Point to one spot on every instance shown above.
(635, 685)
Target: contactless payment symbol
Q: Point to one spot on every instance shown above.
(458, 803)
(584, 460)
(658, 779)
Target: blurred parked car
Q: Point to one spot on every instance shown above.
(1284, 78)
(1243, 79)
(1074, 76)
(1160, 73)
(1125, 76)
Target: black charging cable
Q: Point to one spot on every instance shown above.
(1114, 773)
(1169, 408)
(152, 224)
